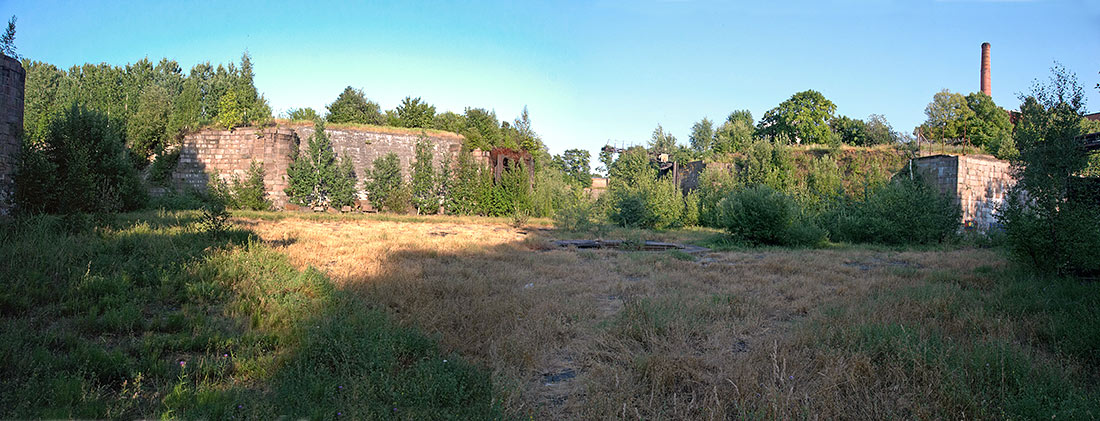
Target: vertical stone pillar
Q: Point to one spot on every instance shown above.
(12, 79)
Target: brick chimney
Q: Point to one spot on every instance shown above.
(986, 89)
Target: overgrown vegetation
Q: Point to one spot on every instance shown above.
(143, 316)
(316, 179)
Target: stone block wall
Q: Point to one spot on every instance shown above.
(977, 182)
(364, 146)
(231, 152)
(12, 80)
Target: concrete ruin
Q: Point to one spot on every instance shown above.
(12, 80)
(978, 184)
(231, 152)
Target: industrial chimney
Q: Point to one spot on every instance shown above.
(986, 89)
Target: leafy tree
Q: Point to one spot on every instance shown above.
(7, 41)
(879, 131)
(527, 140)
(352, 106)
(187, 109)
(948, 114)
(734, 133)
(804, 118)
(424, 191)
(574, 164)
(415, 113)
(230, 112)
(482, 129)
(44, 98)
(1046, 227)
(851, 131)
(449, 121)
(315, 179)
(633, 166)
(147, 131)
(990, 127)
(607, 158)
(80, 165)
(303, 114)
(702, 135)
(470, 181)
(661, 141)
(386, 188)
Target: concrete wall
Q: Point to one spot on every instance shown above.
(231, 152)
(12, 80)
(977, 182)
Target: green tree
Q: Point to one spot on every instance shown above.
(386, 188)
(1046, 227)
(482, 129)
(803, 118)
(303, 114)
(7, 41)
(574, 164)
(352, 106)
(661, 141)
(851, 131)
(702, 135)
(449, 121)
(415, 113)
(425, 196)
(990, 127)
(250, 193)
(879, 131)
(527, 139)
(147, 130)
(315, 178)
(948, 114)
(81, 165)
(44, 97)
(734, 133)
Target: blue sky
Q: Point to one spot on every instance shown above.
(593, 71)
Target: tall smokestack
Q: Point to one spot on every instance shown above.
(986, 89)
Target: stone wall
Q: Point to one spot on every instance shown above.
(12, 79)
(977, 182)
(364, 146)
(231, 152)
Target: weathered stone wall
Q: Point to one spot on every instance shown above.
(12, 80)
(231, 152)
(364, 146)
(977, 182)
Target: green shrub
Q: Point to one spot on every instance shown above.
(715, 184)
(250, 194)
(646, 204)
(386, 188)
(315, 179)
(577, 216)
(80, 165)
(424, 190)
(904, 211)
(160, 172)
(760, 215)
(691, 209)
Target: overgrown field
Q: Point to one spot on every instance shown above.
(148, 314)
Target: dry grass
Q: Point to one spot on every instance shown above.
(652, 335)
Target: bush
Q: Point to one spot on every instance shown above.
(577, 216)
(250, 194)
(386, 188)
(512, 195)
(904, 211)
(80, 165)
(691, 209)
(160, 173)
(760, 215)
(315, 178)
(646, 204)
(425, 196)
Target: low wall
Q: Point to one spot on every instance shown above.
(230, 152)
(12, 80)
(978, 183)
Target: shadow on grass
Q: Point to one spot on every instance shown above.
(143, 315)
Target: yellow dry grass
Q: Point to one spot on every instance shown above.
(646, 334)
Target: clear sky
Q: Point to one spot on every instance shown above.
(592, 71)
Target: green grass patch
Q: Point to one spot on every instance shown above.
(144, 315)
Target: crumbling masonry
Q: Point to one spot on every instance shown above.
(12, 79)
